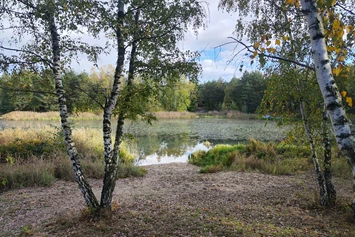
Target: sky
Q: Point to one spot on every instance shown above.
(214, 59)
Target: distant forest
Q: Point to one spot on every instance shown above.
(87, 92)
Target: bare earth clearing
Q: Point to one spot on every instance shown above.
(174, 200)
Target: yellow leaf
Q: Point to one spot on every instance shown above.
(290, 2)
(349, 29)
(349, 101)
(331, 48)
(336, 71)
(285, 37)
(256, 45)
(268, 43)
(271, 50)
(344, 93)
(336, 24)
(255, 53)
(262, 50)
(341, 59)
(297, 4)
(332, 3)
(277, 42)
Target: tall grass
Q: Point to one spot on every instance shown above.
(30, 157)
(28, 115)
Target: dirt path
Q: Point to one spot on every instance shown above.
(174, 188)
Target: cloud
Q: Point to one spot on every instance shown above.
(216, 61)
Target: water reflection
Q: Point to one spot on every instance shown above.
(165, 156)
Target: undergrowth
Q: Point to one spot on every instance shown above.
(31, 157)
(270, 158)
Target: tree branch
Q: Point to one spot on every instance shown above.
(29, 52)
(271, 56)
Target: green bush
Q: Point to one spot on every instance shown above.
(220, 154)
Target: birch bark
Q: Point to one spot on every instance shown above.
(320, 177)
(111, 158)
(332, 195)
(84, 186)
(332, 99)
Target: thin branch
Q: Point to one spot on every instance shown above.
(93, 98)
(342, 7)
(12, 27)
(29, 52)
(272, 56)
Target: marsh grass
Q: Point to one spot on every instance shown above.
(270, 158)
(36, 157)
(254, 156)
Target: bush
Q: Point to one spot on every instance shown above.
(220, 154)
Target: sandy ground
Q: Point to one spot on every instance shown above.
(169, 184)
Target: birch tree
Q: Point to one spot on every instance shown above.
(144, 32)
(274, 36)
(332, 98)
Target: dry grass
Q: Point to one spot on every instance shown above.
(239, 115)
(174, 115)
(35, 157)
(10, 135)
(34, 172)
(28, 115)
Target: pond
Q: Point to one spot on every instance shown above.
(173, 140)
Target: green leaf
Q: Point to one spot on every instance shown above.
(262, 60)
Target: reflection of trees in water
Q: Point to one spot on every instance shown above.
(161, 145)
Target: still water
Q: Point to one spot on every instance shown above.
(173, 140)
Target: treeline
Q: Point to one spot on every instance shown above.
(87, 92)
(244, 94)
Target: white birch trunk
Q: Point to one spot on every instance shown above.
(332, 194)
(332, 99)
(111, 157)
(84, 186)
(320, 178)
